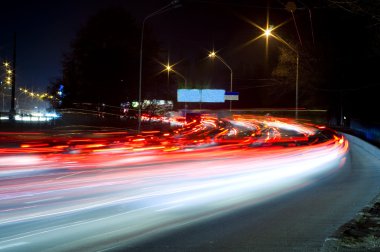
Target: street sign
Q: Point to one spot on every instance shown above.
(231, 96)
(188, 95)
(200, 95)
(212, 95)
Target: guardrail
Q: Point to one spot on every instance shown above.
(368, 131)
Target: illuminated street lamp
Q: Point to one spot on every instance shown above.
(268, 33)
(213, 55)
(169, 68)
(170, 6)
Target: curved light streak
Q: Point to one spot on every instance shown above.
(134, 195)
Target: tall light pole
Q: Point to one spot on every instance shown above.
(268, 33)
(7, 82)
(169, 68)
(171, 5)
(213, 55)
(12, 111)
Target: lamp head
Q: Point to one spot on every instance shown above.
(168, 68)
(268, 31)
(212, 54)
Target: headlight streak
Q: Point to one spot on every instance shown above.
(129, 196)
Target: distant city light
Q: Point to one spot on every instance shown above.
(34, 117)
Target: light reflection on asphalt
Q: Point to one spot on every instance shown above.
(94, 192)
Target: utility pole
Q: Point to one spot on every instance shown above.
(12, 112)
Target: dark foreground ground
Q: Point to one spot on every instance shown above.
(362, 232)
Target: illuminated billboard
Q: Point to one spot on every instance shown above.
(188, 95)
(212, 95)
(200, 95)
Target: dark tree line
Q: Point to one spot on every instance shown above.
(338, 65)
(338, 60)
(103, 63)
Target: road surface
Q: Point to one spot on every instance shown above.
(228, 197)
(299, 221)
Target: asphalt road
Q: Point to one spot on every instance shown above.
(213, 199)
(298, 221)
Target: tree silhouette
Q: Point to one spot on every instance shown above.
(103, 64)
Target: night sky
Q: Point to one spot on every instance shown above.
(45, 29)
(186, 34)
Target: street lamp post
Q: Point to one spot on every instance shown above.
(12, 111)
(171, 5)
(268, 33)
(169, 68)
(214, 55)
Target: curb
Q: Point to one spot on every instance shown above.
(334, 242)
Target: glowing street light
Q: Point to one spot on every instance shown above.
(169, 68)
(268, 33)
(214, 55)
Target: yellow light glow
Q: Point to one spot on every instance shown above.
(212, 54)
(168, 68)
(6, 64)
(9, 71)
(268, 32)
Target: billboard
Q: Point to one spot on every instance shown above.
(212, 95)
(188, 95)
(200, 95)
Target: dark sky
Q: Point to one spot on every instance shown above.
(45, 29)
(342, 43)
